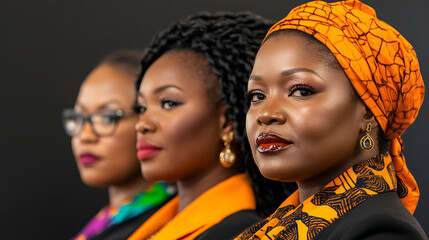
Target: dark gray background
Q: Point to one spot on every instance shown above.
(46, 50)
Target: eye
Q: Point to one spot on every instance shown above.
(301, 91)
(103, 118)
(169, 104)
(255, 97)
(108, 119)
(139, 109)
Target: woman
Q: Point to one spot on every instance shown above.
(331, 88)
(191, 127)
(104, 144)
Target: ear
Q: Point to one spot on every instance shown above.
(368, 117)
(225, 124)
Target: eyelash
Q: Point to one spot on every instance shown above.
(304, 87)
(249, 96)
(299, 87)
(171, 104)
(139, 109)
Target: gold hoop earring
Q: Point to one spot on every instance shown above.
(366, 142)
(227, 156)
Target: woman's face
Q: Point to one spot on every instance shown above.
(106, 161)
(303, 123)
(179, 133)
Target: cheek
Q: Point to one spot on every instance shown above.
(251, 129)
(185, 126)
(191, 142)
(122, 145)
(327, 130)
(75, 144)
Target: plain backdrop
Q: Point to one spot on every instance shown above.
(46, 50)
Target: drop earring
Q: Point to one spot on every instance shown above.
(227, 156)
(366, 142)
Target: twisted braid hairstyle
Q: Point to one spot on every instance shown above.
(229, 43)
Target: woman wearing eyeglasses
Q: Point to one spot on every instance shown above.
(101, 125)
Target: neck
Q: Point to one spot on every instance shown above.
(119, 193)
(315, 184)
(191, 188)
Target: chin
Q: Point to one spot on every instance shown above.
(95, 181)
(152, 175)
(274, 172)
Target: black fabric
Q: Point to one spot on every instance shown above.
(125, 229)
(378, 218)
(231, 226)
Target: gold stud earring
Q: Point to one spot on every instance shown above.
(366, 142)
(227, 156)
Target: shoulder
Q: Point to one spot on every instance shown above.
(231, 226)
(380, 217)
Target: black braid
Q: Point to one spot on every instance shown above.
(229, 43)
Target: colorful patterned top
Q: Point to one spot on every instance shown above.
(108, 216)
(295, 220)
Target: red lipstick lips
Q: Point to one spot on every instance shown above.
(270, 143)
(146, 150)
(88, 158)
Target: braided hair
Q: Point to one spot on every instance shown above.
(229, 43)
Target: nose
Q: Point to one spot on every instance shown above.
(87, 134)
(271, 114)
(145, 124)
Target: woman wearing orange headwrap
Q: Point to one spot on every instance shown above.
(331, 91)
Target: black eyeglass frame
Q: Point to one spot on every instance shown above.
(117, 114)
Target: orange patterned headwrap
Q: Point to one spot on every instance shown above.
(379, 62)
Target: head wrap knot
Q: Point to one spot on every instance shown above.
(381, 65)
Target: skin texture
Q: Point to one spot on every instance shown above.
(109, 87)
(297, 97)
(184, 123)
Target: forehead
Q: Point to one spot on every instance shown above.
(291, 53)
(181, 68)
(105, 84)
(285, 50)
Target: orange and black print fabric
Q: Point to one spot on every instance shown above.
(379, 62)
(304, 221)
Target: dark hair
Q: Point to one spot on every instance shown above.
(127, 60)
(328, 58)
(228, 42)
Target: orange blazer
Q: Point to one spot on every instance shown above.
(228, 197)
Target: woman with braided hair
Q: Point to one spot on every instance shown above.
(191, 128)
(331, 91)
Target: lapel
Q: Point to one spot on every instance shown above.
(228, 197)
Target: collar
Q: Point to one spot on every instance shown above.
(305, 220)
(227, 197)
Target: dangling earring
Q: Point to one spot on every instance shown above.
(227, 157)
(366, 142)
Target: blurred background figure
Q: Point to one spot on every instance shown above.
(101, 125)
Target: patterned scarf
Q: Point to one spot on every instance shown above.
(379, 62)
(109, 215)
(293, 220)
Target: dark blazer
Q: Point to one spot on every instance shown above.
(231, 226)
(380, 217)
(123, 230)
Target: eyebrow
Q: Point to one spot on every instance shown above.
(296, 70)
(287, 73)
(162, 88)
(103, 106)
